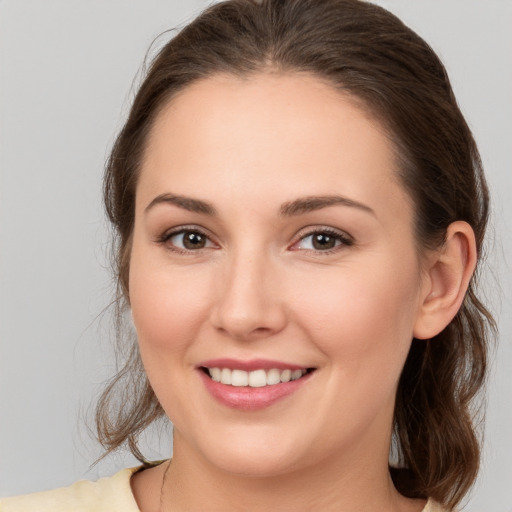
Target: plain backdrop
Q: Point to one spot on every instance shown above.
(67, 70)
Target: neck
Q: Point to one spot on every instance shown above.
(355, 483)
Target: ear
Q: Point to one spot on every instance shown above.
(446, 280)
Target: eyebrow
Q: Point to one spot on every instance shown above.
(297, 207)
(312, 203)
(187, 203)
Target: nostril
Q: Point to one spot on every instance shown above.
(261, 330)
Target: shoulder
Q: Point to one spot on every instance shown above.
(431, 506)
(112, 494)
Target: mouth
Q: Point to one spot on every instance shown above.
(252, 385)
(258, 378)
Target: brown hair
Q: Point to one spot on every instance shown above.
(368, 53)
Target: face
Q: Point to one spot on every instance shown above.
(273, 249)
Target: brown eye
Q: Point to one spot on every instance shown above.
(189, 240)
(323, 241)
(194, 240)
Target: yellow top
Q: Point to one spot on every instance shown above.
(111, 494)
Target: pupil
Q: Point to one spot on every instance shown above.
(193, 241)
(323, 241)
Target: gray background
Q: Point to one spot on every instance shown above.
(66, 74)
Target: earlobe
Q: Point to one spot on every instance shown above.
(449, 272)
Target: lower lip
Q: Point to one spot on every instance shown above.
(251, 399)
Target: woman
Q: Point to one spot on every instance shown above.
(300, 208)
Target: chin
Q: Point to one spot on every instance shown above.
(258, 459)
(246, 464)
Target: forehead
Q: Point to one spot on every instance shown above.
(266, 134)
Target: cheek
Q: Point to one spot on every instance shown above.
(168, 310)
(362, 317)
(168, 307)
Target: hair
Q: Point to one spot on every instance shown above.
(369, 54)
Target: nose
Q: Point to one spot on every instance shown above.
(249, 301)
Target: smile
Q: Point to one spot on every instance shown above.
(252, 385)
(256, 378)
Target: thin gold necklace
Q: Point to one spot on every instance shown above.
(160, 508)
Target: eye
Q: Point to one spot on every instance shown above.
(187, 240)
(324, 240)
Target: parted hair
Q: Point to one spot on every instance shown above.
(369, 54)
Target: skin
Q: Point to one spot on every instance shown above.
(259, 289)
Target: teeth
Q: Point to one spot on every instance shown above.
(296, 374)
(239, 378)
(215, 374)
(273, 377)
(286, 375)
(254, 379)
(225, 376)
(257, 378)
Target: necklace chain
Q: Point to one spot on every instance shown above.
(160, 507)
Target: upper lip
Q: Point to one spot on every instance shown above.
(250, 365)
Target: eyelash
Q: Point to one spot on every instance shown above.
(343, 239)
(165, 237)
